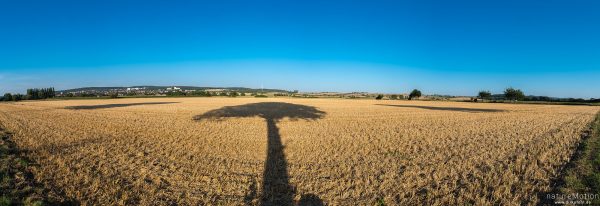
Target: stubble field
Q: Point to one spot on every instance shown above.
(246, 151)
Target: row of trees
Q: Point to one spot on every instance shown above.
(206, 94)
(415, 93)
(514, 94)
(43, 93)
(32, 94)
(12, 97)
(509, 94)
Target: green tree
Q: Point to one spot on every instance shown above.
(32, 93)
(43, 93)
(17, 97)
(414, 94)
(379, 97)
(484, 94)
(8, 97)
(176, 93)
(40, 93)
(394, 96)
(513, 94)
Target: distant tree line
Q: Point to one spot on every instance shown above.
(32, 94)
(509, 94)
(485, 95)
(282, 94)
(415, 93)
(201, 93)
(43, 93)
(176, 93)
(514, 94)
(205, 94)
(518, 95)
(548, 99)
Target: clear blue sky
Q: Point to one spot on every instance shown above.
(445, 47)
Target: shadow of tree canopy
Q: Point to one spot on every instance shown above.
(268, 110)
(11, 187)
(276, 189)
(105, 106)
(458, 109)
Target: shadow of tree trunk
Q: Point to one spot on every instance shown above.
(276, 187)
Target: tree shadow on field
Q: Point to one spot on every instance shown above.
(276, 189)
(105, 106)
(19, 184)
(457, 109)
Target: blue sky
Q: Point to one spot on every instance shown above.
(445, 47)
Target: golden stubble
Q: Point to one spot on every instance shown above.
(153, 152)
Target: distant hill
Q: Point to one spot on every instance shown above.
(105, 89)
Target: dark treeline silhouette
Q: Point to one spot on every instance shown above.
(513, 94)
(205, 94)
(43, 93)
(32, 94)
(549, 99)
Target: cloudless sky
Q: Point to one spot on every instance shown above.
(444, 47)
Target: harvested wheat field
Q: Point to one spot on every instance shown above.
(237, 151)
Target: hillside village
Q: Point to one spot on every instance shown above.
(214, 91)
